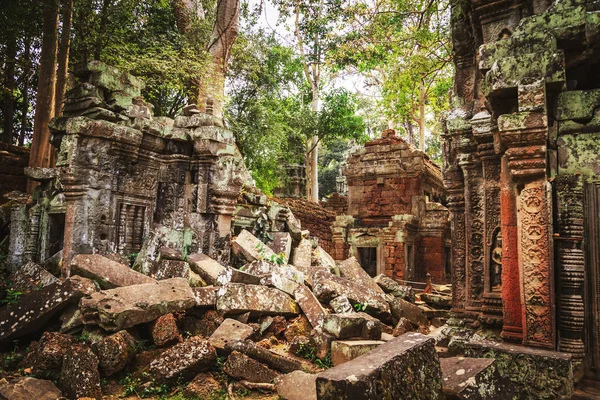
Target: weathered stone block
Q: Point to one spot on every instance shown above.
(265, 356)
(27, 388)
(321, 258)
(114, 352)
(404, 368)
(205, 296)
(240, 366)
(302, 254)
(310, 305)
(259, 268)
(172, 269)
(321, 341)
(345, 350)
(549, 374)
(248, 247)
(46, 356)
(34, 310)
(394, 288)
(124, 307)
(281, 244)
(208, 268)
(287, 279)
(403, 309)
(31, 277)
(79, 376)
(297, 385)
(351, 270)
(471, 379)
(341, 305)
(185, 360)
(109, 274)
(229, 331)
(164, 330)
(236, 298)
(352, 325)
(232, 275)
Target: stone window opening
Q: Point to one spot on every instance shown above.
(367, 257)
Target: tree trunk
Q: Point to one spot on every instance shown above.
(409, 129)
(103, 22)
(63, 55)
(8, 108)
(312, 158)
(186, 11)
(25, 103)
(44, 110)
(422, 116)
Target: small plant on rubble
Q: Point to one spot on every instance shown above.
(12, 297)
(360, 307)
(308, 351)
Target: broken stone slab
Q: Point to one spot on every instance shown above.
(205, 266)
(468, 378)
(30, 277)
(240, 366)
(124, 307)
(40, 174)
(345, 350)
(341, 305)
(164, 330)
(352, 325)
(79, 376)
(394, 288)
(72, 320)
(297, 385)
(286, 278)
(236, 298)
(205, 296)
(382, 373)
(403, 309)
(232, 275)
(168, 253)
(302, 254)
(108, 273)
(248, 247)
(115, 351)
(281, 244)
(310, 305)
(436, 300)
(27, 388)
(321, 341)
(321, 258)
(327, 286)
(351, 270)
(229, 331)
(265, 356)
(260, 268)
(167, 269)
(184, 360)
(32, 311)
(45, 357)
(550, 373)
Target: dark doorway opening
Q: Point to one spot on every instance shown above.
(368, 260)
(56, 236)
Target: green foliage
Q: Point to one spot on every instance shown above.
(12, 296)
(137, 387)
(308, 352)
(360, 307)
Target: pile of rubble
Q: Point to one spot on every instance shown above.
(291, 322)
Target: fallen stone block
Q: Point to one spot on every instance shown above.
(168, 253)
(403, 326)
(27, 388)
(403, 309)
(108, 273)
(341, 305)
(265, 356)
(260, 268)
(79, 376)
(45, 357)
(383, 373)
(31, 277)
(231, 275)
(328, 286)
(287, 279)
(240, 366)
(302, 254)
(345, 350)
(229, 331)
(124, 307)
(164, 330)
(208, 268)
(394, 288)
(71, 319)
(172, 269)
(114, 352)
(272, 326)
(299, 326)
(321, 341)
(184, 360)
(551, 378)
(236, 298)
(351, 270)
(310, 305)
(206, 296)
(468, 378)
(248, 247)
(32, 311)
(321, 258)
(352, 325)
(297, 385)
(436, 300)
(281, 244)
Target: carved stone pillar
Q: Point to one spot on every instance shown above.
(571, 265)
(474, 223)
(74, 192)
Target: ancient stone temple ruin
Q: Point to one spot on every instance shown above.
(394, 223)
(521, 169)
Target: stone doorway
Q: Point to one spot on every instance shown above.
(367, 256)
